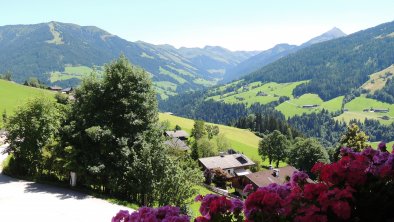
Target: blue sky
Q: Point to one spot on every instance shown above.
(234, 24)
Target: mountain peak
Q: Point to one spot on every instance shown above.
(329, 35)
(335, 32)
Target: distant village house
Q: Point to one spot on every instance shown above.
(180, 134)
(310, 106)
(55, 88)
(176, 139)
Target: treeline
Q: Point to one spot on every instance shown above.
(109, 136)
(265, 122)
(386, 94)
(334, 67)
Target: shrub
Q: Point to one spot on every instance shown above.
(358, 187)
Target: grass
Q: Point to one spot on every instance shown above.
(172, 75)
(294, 106)
(356, 106)
(378, 80)
(12, 95)
(57, 39)
(71, 72)
(248, 93)
(144, 55)
(195, 206)
(166, 85)
(242, 140)
(204, 82)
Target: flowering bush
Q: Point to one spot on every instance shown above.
(358, 187)
(162, 214)
(219, 208)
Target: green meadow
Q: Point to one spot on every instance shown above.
(354, 110)
(249, 94)
(294, 107)
(72, 72)
(12, 95)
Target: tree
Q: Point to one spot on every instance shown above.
(199, 129)
(178, 187)
(177, 127)
(114, 133)
(33, 126)
(222, 142)
(305, 153)
(206, 147)
(354, 138)
(212, 130)
(274, 146)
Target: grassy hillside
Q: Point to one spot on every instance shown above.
(240, 139)
(295, 106)
(378, 80)
(72, 72)
(356, 106)
(12, 95)
(256, 92)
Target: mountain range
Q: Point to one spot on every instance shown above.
(48, 50)
(271, 55)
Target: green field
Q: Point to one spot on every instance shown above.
(356, 106)
(248, 94)
(12, 95)
(242, 140)
(294, 106)
(378, 80)
(72, 72)
(179, 79)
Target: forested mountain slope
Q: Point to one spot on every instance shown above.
(39, 50)
(334, 67)
(279, 51)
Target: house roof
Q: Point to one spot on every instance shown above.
(55, 88)
(67, 89)
(226, 161)
(266, 177)
(177, 143)
(177, 133)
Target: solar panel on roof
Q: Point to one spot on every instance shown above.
(242, 160)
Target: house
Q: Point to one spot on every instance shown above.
(177, 144)
(233, 164)
(381, 110)
(180, 134)
(67, 90)
(310, 106)
(264, 178)
(55, 88)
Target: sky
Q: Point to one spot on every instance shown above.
(233, 24)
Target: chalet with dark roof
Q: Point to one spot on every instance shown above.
(176, 143)
(67, 90)
(264, 178)
(55, 88)
(180, 134)
(233, 164)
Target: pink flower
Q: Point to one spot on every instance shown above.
(341, 209)
(248, 188)
(121, 216)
